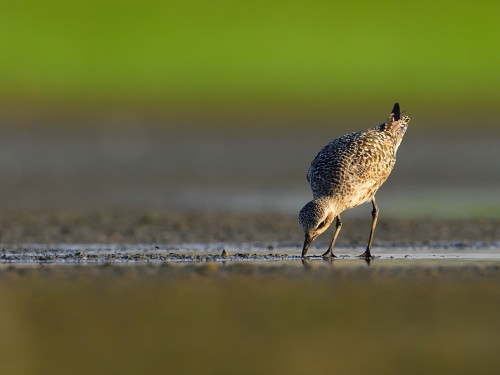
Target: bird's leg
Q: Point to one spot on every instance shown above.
(338, 226)
(367, 253)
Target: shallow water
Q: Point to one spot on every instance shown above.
(445, 254)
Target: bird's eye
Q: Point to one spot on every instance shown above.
(322, 224)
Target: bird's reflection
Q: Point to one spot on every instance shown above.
(306, 261)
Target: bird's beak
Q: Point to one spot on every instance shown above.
(307, 241)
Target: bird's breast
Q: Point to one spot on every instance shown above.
(357, 193)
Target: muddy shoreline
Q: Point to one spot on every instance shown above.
(127, 237)
(259, 229)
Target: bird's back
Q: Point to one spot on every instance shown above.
(351, 168)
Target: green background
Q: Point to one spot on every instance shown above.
(265, 55)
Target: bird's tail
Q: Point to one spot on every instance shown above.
(396, 112)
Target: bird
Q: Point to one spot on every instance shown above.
(347, 172)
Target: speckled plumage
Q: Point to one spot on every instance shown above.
(347, 172)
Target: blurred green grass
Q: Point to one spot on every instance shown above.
(113, 320)
(319, 54)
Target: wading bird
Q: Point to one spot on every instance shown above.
(347, 172)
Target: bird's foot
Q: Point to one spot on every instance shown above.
(366, 255)
(328, 254)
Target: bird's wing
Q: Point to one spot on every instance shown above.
(326, 170)
(316, 161)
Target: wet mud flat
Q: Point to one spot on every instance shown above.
(210, 228)
(230, 253)
(388, 268)
(259, 240)
(226, 261)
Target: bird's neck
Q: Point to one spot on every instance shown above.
(332, 206)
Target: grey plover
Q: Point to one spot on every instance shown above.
(347, 172)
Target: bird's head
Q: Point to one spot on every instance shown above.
(314, 218)
(397, 125)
